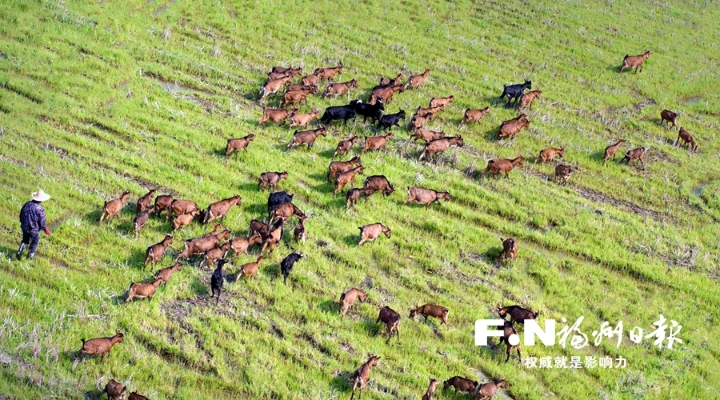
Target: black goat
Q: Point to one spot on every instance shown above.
(278, 198)
(339, 113)
(287, 264)
(217, 280)
(514, 92)
(374, 111)
(387, 121)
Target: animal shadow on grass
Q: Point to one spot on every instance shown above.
(330, 306)
(259, 210)
(327, 153)
(598, 156)
(93, 216)
(94, 394)
(200, 288)
(341, 382)
(352, 240)
(371, 328)
(249, 187)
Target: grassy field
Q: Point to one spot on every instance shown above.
(99, 97)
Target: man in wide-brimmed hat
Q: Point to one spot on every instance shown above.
(32, 221)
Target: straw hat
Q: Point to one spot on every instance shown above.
(40, 196)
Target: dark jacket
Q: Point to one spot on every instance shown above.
(32, 217)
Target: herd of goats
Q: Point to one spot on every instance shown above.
(215, 245)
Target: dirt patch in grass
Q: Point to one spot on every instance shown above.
(602, 198)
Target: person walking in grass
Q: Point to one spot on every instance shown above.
(32, 221)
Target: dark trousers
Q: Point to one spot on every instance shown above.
(32, 238)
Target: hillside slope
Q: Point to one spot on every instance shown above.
(98, 98)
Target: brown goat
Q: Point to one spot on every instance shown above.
(214, 254)
(217, 229)
(548, 154)
(200, 245)
(431, 389)
(510, 250)
(276, 115)
(636, 62)
(425, 196)
(273, 86)
(141, 219)
(184, 220)
(369, 233)
(441, 101)
(144, 202)
(271, 240)
(527, 99)
(100, 346)
(391, 319)
(241, 244)
(136, 396)
(166, 273)
(163, 202)
(440, 145)
(300, 233)
(361, 376)
(143, 290)
(180, 207)
(112, 207)
(517, 314)
(376, 142)
(417, 80)
(426, 135)
(220, 208)
(461, 385)
(687, 138)
(271, 179)
(287, 70)
(611, 150)
(258, 228)
(418, 122)
(509, 330)
(386, 93)
(343, 178)
(303, 119)
(668, 116)
(562, 174)
(284, 211)
(352, 197)
(345, 146)
(431, 112)
(513, 126)
(251, 268)
(503, 166)
(238, 144)
(336, 89)
(337, 167)
(155, 253)
(312, 79)
(430, 310)
(328, 73)
(377, 183)
(474, 115)
(301, 88)
(273, 76)
(306, 137)
(488, 390)
(635, 154)
(297, 96)
(391, 81)
(348, 299)
(115, 390)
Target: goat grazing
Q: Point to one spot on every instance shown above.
(369, 233)
(391, 319)
(636, 62)
(503, 166)
(548, 154)
(461, 385)
(488, 390)
(348, 299)
(155, 253)
(510, 250)
(162, 203)
(635, 154)
(142, 290)
(687, 138)
(238, 144)
(112, 207)
(668, 116)
(517, 314)
(100, 346)
(284, 211)
(562, 174)
(430, 310)
(271, 179)
(361, 376)
(115, 390)
(136, 396)
(352, 197)
(376, 183)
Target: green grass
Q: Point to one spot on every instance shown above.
(97, 98)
